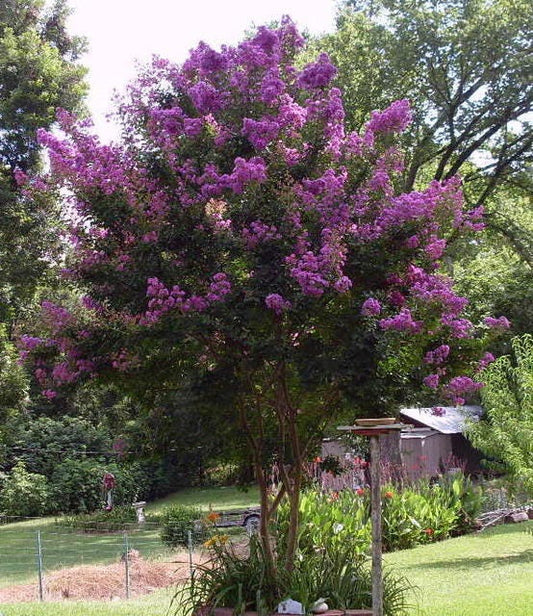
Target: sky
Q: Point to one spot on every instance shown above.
(123, 32)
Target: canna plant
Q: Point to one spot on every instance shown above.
(240, 246)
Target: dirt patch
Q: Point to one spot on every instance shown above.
(103, 582)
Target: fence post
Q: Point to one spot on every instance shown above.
(40, 564)
(127, 564)
(190, 547)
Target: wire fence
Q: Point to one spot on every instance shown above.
(41, 560)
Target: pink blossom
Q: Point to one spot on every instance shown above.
(432, 381)
(275, 302)
(499, 323)
(371, 307)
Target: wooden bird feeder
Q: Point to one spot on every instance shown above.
(374, 428)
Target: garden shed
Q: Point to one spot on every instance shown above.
(435, 443)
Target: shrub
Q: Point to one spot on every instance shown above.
(77, 485)
(24, 494)
(177, 521)
(411, 515)
(118, 518)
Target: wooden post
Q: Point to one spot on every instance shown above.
(377, 568)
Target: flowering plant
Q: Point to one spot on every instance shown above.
(239, 238)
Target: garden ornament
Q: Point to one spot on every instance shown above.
(290, 607)
(319, 606)
(108, 483)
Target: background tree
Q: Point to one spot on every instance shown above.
(240, 244)
(38, 75)
(465, 66)
(505, 433)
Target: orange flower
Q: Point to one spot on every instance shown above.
(429, 531)
(213, 516)
(318, 460)
(389, 494)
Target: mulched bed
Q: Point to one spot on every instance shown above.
(102, 582)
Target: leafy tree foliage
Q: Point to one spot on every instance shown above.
(241, 245)
(506, 431)
(38, 74)
(465, 67)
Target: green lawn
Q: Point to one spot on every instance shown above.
(224, 498)
(154, 604)
(486, 574)
(63, 547)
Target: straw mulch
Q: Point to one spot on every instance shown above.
(101, 582)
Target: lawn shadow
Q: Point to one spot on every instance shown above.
(467, 562)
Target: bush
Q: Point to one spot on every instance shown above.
(411, 515)
(77, 485)
(177, 521)
(24, 494)
(119, 518)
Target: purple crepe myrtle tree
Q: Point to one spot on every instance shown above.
(238, 232)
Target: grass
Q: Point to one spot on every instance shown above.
(63, 547)
(224, 498)
(486, 574)
(154, 604)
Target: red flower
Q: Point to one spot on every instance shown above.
(389, 494)
(429, 531)
(360, 491)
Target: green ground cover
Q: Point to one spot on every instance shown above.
(63, 547)
(222, 498)
(486, 574)
(154, 604)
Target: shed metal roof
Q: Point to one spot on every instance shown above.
(451, 422)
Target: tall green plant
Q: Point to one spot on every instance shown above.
(505, 432)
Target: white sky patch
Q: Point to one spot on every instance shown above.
(123, 32)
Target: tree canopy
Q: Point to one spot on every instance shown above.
(465, 66)
(38, 75)
(242, 244)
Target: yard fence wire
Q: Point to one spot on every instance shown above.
(40, 561)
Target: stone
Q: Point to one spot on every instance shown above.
(289, 606)
(517, 516)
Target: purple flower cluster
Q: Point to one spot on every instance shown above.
(394, 119)
(371, 307)
(317, 74)
(402, 322)
(163, 300)
(437, 356)
(238, 164)
(275, 302)
(499, 323)
(460, 386)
